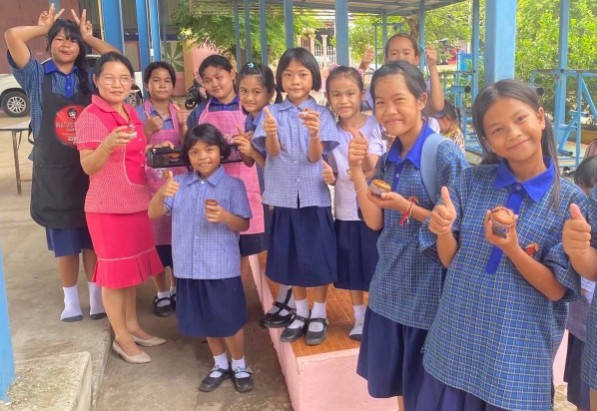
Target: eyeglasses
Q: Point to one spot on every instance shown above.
(111, 80)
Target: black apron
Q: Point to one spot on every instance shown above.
(59, 184)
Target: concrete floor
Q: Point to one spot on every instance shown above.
(170, 381)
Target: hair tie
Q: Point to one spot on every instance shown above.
(250, 65)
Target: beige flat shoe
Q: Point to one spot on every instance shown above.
(142, 358)
(151, 342)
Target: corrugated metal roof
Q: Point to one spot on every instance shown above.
(395, 7)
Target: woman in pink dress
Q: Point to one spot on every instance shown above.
(112, 145)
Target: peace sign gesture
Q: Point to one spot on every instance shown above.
(47, 18)
(85, 25)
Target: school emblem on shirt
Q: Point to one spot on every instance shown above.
(64, 124)
(532, 249)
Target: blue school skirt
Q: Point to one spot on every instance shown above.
(251, 244)
(357, 254)
(302, 247)
(210, 308)
(390, 358)
(434, 395)
(68, 241)
(578, 390)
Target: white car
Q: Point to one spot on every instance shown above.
(14, 101)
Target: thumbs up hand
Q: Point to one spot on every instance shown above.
(328, 174)
(358, 148)
(170, 187)
(443, 215)
(182, 115)
(576, 236)
(269, 124)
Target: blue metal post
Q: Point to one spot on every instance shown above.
(263, 32)
(142, 29)
(475, 50)
(237, 34)
(248, 30)
(422, 34)
(560, 108)
(112, 19)
(7, 364)
(289, 24)
(500, 39)
(156, 38)
(342, 56)
(56, 4)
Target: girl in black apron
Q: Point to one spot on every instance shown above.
(58, 90)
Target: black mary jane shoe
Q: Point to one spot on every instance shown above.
(210, 383)
(243, 384)
(277, 320)
(293, 334)
(316, 337)
(162, 310)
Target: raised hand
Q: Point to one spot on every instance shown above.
(358, 148)
(328, 173)
(270, 125)
(85, 25)
(47, 18)
(576, 236)
(153, 124)
(182, 115)
(431, 56)
(443, 215)
(170, 187)
(243, 141)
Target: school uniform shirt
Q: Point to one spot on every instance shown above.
(345, 198)
(407, 285)
(495, 335)
(31, 76)
(579, 310)
(214, 105)
(291, 180)
(589, 360)
(202, 250)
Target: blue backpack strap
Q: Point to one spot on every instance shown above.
(429, 165)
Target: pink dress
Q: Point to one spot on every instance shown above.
(227, 122)
(162, 227)
(117, 200)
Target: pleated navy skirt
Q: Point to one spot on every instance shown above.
(434, 395)
(210, 308)
(357, 254)
(302, 247)
(390, 358)
(578, 390)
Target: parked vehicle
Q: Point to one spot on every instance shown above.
(195, 95)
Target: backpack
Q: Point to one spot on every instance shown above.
(429, 165)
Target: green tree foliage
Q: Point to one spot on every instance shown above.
(216, 27)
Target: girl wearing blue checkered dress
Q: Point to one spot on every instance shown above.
(405, 288)
(209, 209)
(504, 303)
(580, 243)
(302, 247)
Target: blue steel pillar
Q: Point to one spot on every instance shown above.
(422, 35)
(142, 25)
(237, 34)
(500, 39)
(342, 55)
(560, 108)
(288, 24)
(156, 37)
(56, 4)
(475, 51)
(248, 30)
(7, 365)
(263, 32)
(112, 19)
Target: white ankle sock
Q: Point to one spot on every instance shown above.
(163, 294)
(96, 305)
(359, 313)
(240, 364)
(220, 361)
(173, 290)
(72, 307)
(318, 311)
(302, 309)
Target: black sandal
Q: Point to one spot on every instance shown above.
(276, 320)
(162, 310)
